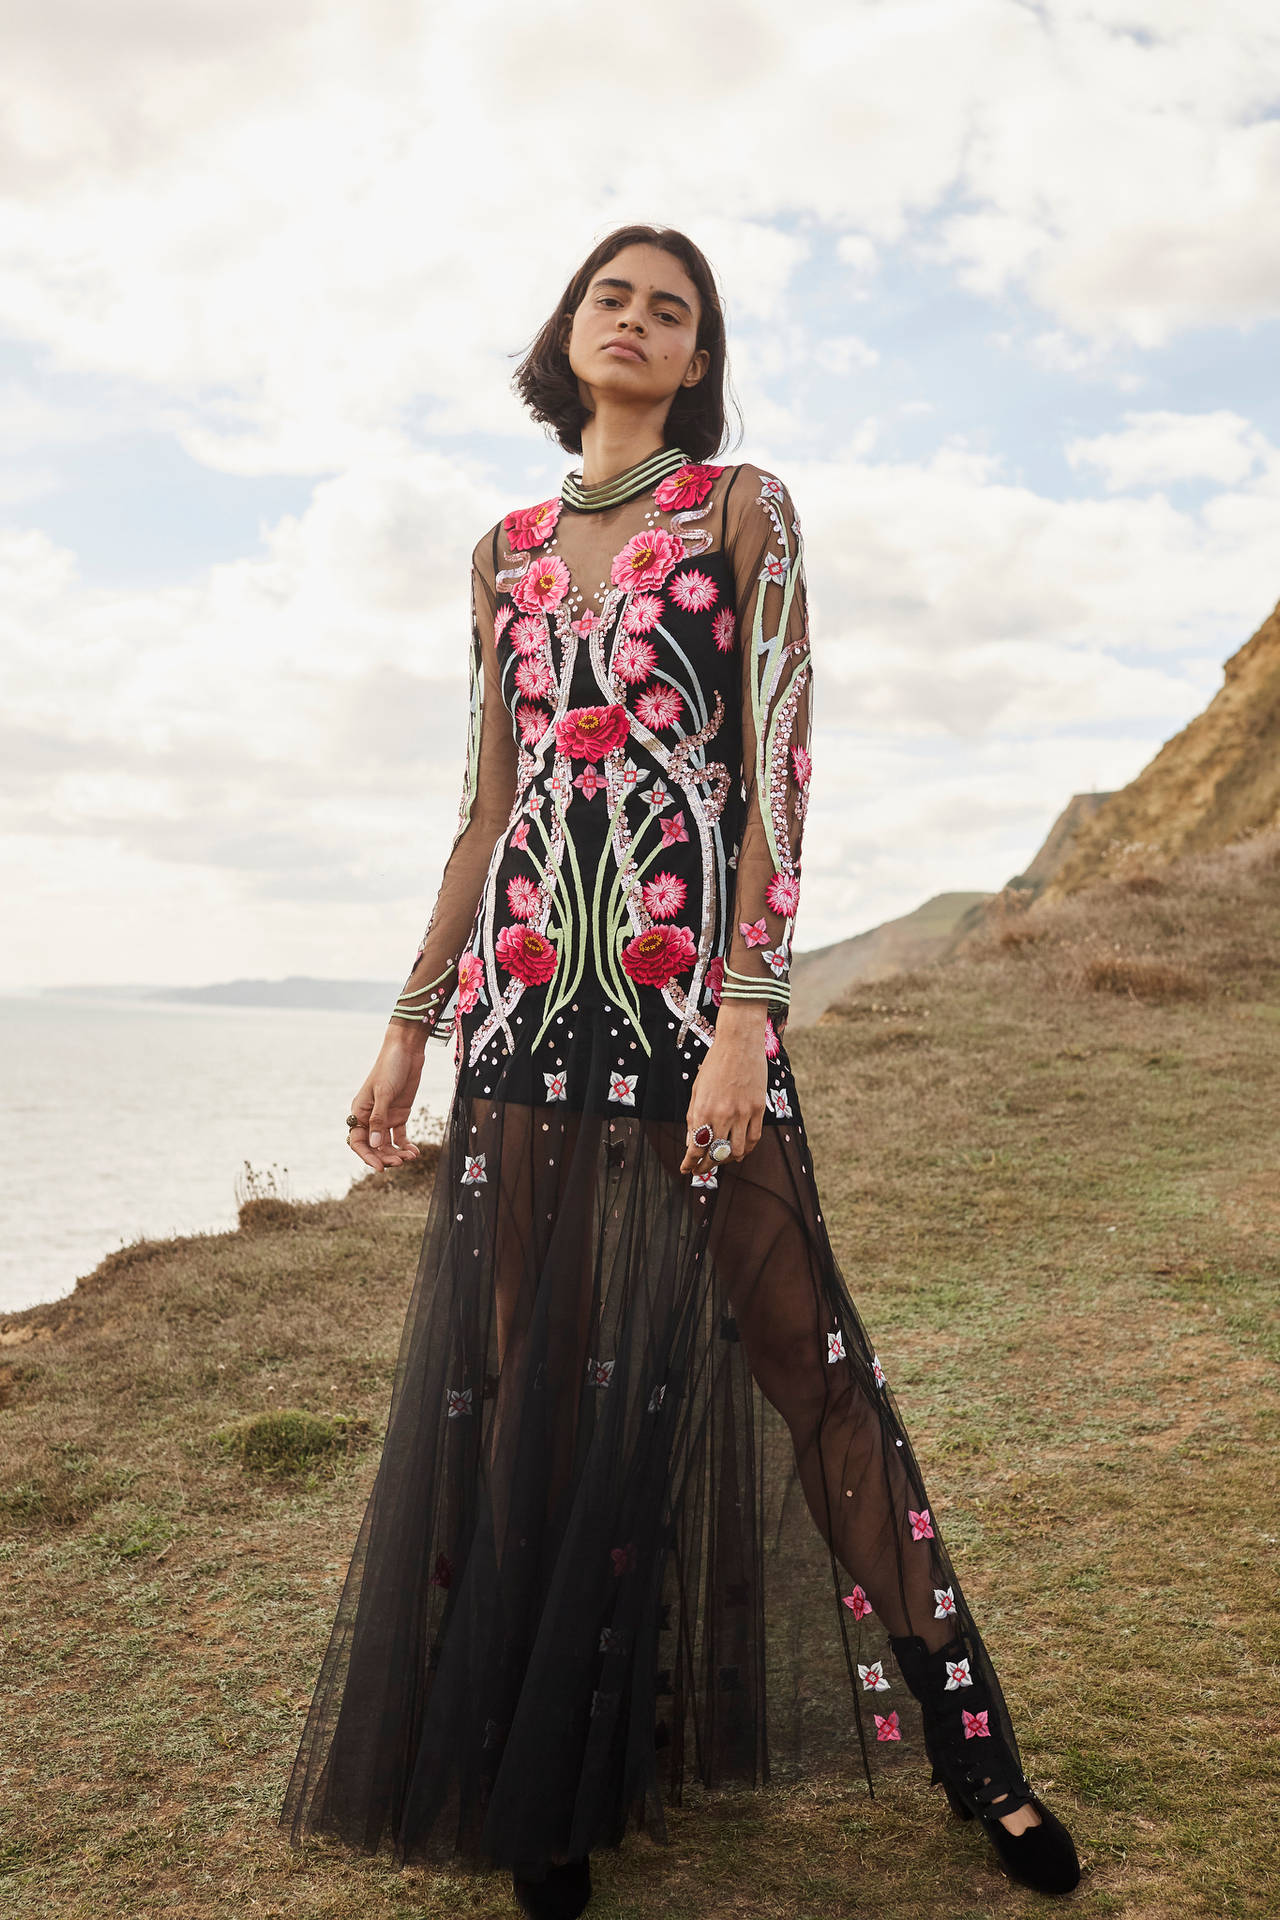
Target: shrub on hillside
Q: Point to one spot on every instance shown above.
(290, 1439)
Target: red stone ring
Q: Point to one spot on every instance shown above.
(702, 1136)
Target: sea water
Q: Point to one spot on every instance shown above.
(129, 1120)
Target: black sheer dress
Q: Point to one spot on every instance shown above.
(646, 1511)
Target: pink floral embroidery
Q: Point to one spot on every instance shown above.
(872, 1677)
(958, 1675)
(531, 526)
(470, 975)
(782, 893)
(673, 829)
(659, 706)
(975, 1724)
(688, 486)
(624, 1558)
(756, 934)
(715, 978)
(921, 1525)
(945, 1603)
(634, 659)
(588, 733)
(523, 897)
(543, 584)
(529, 634)
(694, 591)
(647, 559)
(520, 834)
(772, 1043)
(877, 1371)
(887, 1727)
(590, 781)
(657, 956)
(723, 629)
(801, 765)
(443, 1574)
(664, 895)
(534, 676)
(585, 625)
(858, 1603)
(643, 613)
(527, 954)
(500, 619)
(532, 722)
(835, 1347)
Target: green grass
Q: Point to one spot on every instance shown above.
(1058, 1208)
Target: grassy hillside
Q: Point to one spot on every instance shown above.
(821, 974)
(1210, 784)
(1050, 1174)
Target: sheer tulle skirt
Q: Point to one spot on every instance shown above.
(645, 1510)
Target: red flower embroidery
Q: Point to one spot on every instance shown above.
(723, 629)
(470, 974)
(523, 897)
(588, 733)
(643, 613)
(673, 829)
(858, 1603)
(500, 619)
(801, 764)
(664, 895)
(659, 706)
(715, 978)
(533, 676)
(782, 894)
(527, 954)
(634, 659)
(771, 1040)
(530, 526)
(590, 782)
(647, 559)
(755, 932)
(529, 634)
(543, 584)
(687, 487)
(657, 956)
(532, 722)
(520, 834)
(695, 592)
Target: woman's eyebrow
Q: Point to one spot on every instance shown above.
(675, 298)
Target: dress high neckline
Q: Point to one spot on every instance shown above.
(622, 486)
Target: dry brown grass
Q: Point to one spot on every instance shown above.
(1057, 1209)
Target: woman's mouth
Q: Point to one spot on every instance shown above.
(626, 348)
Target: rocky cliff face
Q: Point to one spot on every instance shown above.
(1210, 784)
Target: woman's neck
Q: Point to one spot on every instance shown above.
(612, 441)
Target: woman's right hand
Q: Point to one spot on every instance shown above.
(383, 1103)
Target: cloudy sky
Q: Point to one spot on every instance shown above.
(1003, 281)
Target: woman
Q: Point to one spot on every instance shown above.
(573, 1577)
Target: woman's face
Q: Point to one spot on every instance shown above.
(634, 334)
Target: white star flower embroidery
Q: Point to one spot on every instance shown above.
(459, 1401)
(473, 1173)
(835, 1347)
(958, 1675)
(556, 1083)
(946, 1603)
(872, 1677)
(622, 1088)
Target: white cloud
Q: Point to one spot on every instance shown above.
(1157, 448)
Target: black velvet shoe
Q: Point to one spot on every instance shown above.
(977, 1774)
(556, 1893)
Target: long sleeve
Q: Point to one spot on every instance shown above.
(762, 534)
(488, 792)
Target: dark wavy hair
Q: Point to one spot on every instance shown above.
(548, 385)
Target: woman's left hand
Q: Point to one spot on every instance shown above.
(730, 1086)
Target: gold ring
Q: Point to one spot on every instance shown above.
(352, 1122)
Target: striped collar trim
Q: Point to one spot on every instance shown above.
(623, 486)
